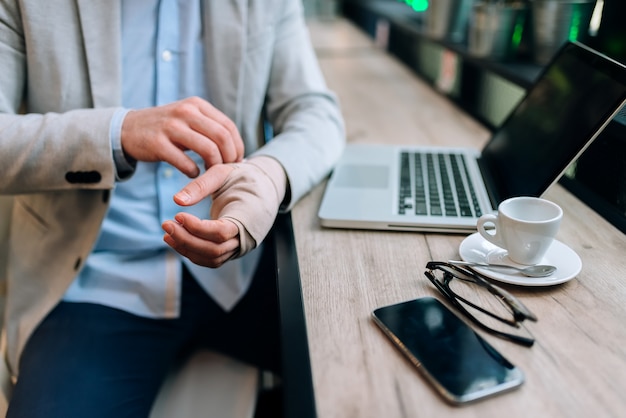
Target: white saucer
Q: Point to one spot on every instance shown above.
(476, 248)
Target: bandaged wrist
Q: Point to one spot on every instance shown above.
(250, 198)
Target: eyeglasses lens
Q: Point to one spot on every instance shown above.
(482, 304)
(475, 297)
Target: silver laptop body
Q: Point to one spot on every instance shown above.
(568, 106)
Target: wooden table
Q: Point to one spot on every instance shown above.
(578, 364)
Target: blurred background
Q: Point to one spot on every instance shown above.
(484, 54)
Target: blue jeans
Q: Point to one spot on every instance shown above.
(89, 360)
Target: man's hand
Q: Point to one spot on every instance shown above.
(208, 243)
(246, 198)
(163, 133)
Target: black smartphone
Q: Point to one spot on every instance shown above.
(461, 365)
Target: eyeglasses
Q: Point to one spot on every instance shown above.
(473, 295)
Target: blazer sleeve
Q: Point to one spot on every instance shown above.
(305, 115)
(45, 145)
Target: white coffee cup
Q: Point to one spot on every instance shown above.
(524, 226)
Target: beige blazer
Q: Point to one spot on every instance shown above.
(61, 67)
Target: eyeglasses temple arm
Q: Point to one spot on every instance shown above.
(513, 302)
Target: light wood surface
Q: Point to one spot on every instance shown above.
(577, 367)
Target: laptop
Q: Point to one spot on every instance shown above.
(423, 188)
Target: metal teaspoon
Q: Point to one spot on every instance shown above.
(539, 270)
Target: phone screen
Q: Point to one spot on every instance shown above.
(461, 365)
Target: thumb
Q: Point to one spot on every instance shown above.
(204, 185)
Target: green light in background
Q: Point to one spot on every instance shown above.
(420, 5)
(517, 33)
(417, 5)
(574, 28)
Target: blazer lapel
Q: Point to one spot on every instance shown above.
(224, 51)
(101, 26)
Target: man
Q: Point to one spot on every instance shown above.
(107, 108)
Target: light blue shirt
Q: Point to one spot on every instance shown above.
(131, 268)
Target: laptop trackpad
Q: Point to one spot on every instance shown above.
(370, 176)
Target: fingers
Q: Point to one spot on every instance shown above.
(208, 243)
(203, 186)
(222, 131)
(205, 122)
(177, 158)
(163, 133)
(150, 135)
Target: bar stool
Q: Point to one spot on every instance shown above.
(209, 385)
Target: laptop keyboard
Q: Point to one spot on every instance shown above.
(437, 185)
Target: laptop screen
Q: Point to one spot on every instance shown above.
(559, 116)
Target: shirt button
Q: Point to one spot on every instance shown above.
(168, 172)
(166, 55)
